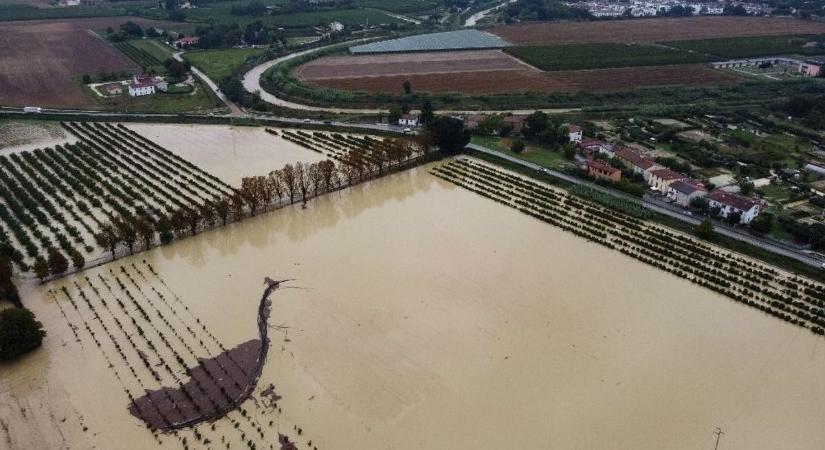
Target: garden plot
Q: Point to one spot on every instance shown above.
(228, 152)
(409, 326)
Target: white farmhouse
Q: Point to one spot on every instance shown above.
(141, 89)
(682, 192)
(574, 132)
(730, 203)
(408, 120)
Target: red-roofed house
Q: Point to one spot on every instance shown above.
(729, 203)
(661, 179)
(683, 191)
(641, 165)
(593, 146)
(601, 170)
(185, 42)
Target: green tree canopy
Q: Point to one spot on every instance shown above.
(19, 333)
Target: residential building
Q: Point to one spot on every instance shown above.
(601, 170)
(641, 165)
(186, 42)
(729, 203)
(682, 192)
(574, 132)
(593, 146)
(146, 85)
(408, 120)
(661, 179)
(141, 89)
(336, 26)
(113, 88)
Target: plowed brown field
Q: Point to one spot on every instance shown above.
(407, 64)
(39, 58)
(525, 80)
(653, 30)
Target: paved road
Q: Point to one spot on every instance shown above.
(473, 20)
(667, 209)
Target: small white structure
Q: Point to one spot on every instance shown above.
(408, 120)
(336, 26)
(730, 203)
(682, 192)
(574, 132)
(810, 67)
(141, 89)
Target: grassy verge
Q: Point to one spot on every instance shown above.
(603, 56)
(542, 156)
(744, 248)
(219, 64)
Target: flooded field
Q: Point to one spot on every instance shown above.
(18, 136)
(421, 315)
(228, 152)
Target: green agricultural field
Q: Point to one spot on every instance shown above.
(602, 56)
(744, 47)
(139, 52)
(544, 157)
(221, 14)
(400, 7)
(155, 48)
(26, 12)
(219, 64)
(345, 16)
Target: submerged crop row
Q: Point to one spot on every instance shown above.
(793, 299)
(121, 191)
(170, 367)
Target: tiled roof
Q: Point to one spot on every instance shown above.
(735, 201)
(667, 174)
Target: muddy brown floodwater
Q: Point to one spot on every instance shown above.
(426, 316)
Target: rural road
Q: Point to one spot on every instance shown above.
(473, 20)
(667, 209)
(235, 109)
(252, 83)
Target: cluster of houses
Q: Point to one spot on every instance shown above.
(808, 67)
(141, 85)
(676, 187)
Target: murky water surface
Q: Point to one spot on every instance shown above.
(425, 316)
(228, 152)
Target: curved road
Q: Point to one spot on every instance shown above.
(252, 83)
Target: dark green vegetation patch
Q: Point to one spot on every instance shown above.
(602, 56)
(744, 47)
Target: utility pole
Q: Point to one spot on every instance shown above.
(718, 434)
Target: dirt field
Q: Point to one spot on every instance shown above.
(39, 59)
(512, 81)
(407, 63)
(653, 30)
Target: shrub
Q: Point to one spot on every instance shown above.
(19, 333)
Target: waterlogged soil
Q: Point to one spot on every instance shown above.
(228, 152)
(27, 136)
(425, 316)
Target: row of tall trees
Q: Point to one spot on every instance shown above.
(289, 184)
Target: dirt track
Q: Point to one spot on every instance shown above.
(39, 59)
(653, 30)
